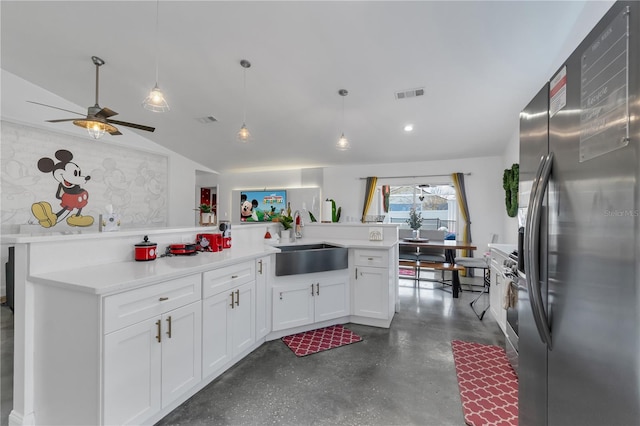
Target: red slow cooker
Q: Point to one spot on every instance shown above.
(146, 250)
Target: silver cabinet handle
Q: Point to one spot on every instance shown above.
(162, 299)
(260, 268)
(169, 326)
(312, 289)
(237, 297)
(159, 335)
(317, 289)
(231, 300)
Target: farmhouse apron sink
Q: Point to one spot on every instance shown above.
(308, 258)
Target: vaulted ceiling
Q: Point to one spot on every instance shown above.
(479, 63)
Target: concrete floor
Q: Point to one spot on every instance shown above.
(404, 375)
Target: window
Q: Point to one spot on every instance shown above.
(436, 202)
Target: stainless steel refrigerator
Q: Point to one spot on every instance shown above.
(579, 292)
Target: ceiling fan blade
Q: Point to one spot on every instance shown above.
(106, 113)
(61, 109)
(135, 126)
(61, 120)
(116, 132)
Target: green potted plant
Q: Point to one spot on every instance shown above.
(414, 222)
(205, 214)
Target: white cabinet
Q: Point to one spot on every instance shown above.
(312, 298)
(228, 315)
(370, 286)
(370, 289)
(150, 362)
(263, 303)
(497, 289)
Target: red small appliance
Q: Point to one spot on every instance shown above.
(225, 228)
(209, 242)
(146, 250)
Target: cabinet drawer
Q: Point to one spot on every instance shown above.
(226, 278)
(377, 258)
(124, 309)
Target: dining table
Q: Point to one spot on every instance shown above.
(449, 246)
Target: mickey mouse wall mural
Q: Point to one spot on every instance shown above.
(70, 192)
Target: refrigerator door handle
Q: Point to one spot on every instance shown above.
(529, 257)
(533, 249)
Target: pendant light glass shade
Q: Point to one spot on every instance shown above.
(343, 142)
(243, 134)
(155, 101)
(95, 128)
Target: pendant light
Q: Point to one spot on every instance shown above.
(243, 133)
(155, 101)
(343, 142)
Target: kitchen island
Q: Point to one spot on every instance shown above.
(103, 339)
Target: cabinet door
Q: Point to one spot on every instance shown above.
(331, 299)
(496, 297)
(181, 351)
(216, 335)
(292, 305)
(263, 323)
(243, 321)
(371, 292)
(132, 369)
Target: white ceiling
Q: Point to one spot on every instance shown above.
(480, 62)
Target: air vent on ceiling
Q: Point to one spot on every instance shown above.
(208, 119)
(411, 93)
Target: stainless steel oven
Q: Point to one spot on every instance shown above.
(511, 276)
(511, 342)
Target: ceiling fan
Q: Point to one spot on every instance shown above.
(97, 120)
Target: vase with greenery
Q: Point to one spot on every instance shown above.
(205, 214)
(415, 222)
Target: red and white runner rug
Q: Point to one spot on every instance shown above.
(322, 339)
(488, 385)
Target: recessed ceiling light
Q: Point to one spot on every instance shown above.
(408, 128)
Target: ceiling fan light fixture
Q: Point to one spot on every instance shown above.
(95, 128)
(155, 101)
(243, 134)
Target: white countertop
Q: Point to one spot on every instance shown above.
(505, 249)
(115, 277)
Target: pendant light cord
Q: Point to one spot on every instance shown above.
(157, 50)
(343, 115)
(244, 97)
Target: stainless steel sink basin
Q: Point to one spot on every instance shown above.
(307, 258)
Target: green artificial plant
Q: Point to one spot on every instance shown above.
(510, 181)
(415, 219)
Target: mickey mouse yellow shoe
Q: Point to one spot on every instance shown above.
(42, 211)
(74, 220)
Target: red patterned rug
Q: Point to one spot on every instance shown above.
(406, 273)
(488, 385)
(322, 339)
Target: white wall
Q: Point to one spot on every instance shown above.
(182, 171)
(343, 184)
(483, 188)
(509, 234)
